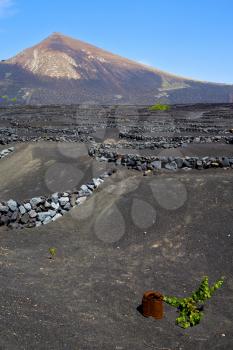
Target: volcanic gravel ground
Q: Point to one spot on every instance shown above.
(135, 233)
(87, 296)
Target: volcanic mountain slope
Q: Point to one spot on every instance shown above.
(62, 70)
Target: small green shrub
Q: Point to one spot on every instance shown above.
(159, 107)
(190, 309)
(6, 98)
(53, 251)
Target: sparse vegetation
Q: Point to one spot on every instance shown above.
(191, 310)
(53, 252)
(160, 107)
(6, 98)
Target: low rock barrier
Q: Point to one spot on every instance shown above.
(45, 209)
(29, 134)
(6, 152)
(172, 141)
(143, 163)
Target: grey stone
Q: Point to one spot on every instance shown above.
(199, 164)
(3, 208)
(144, 166)
(22, 209)
(96, 182)
(27, 206)
(63, 200)
(179, 162)
(55, 197)
(4, 152)
(25, 218)
(84, 188)
(47, 220)
(186, 163)
(32, 213)
(57, 216)
(47, 204)
(12, 204)
(43, 215)
(31, 223)
(157, 164)
(171, 166)
(103, 159)
(225, 162)
(67, 206)
(36, 200)
(52, 213)
(131, 163)
(55, 206)
(91, 187)
(14, 215)
(83, 193)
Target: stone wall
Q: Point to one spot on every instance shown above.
(29, 134)
(153, 142)
(45, 209)
(143, 163)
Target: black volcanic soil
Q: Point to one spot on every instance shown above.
(109, 252)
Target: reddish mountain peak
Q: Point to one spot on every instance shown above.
(55, 39)
(75, 71)
(58, 41)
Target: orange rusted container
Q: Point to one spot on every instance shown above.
(152, 304)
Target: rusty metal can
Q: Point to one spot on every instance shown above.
(152, 304)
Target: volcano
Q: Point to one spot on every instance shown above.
(63, 70)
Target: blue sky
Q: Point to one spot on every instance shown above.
(191, 38)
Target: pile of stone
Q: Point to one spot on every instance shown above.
(33, 134)
(6, 152)
(171, 141)
(43, 210)
(144, 163)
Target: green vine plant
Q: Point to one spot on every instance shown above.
(191, 308)
(159, 107)
(6, 99)
(53, 252)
